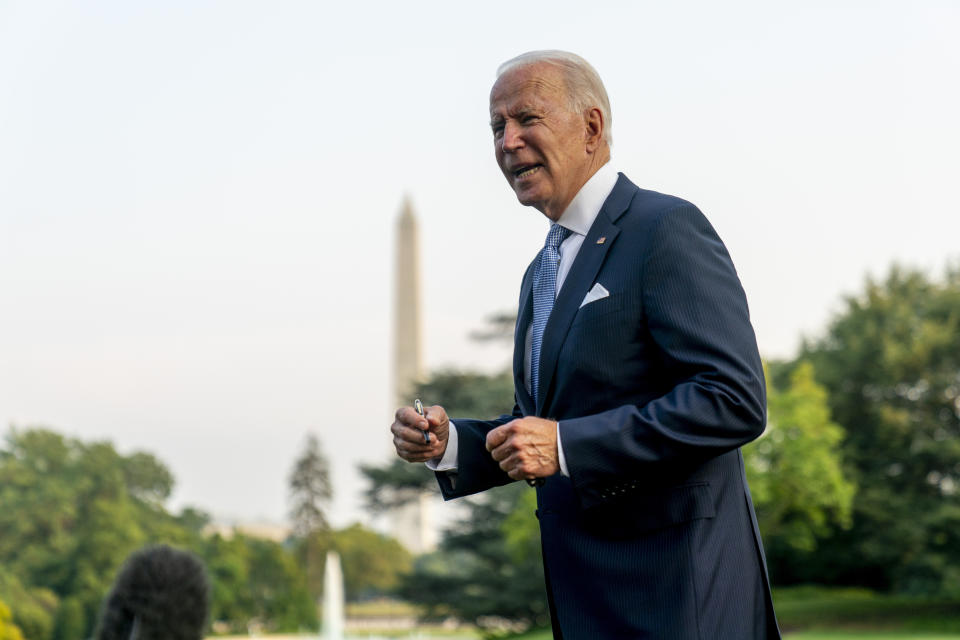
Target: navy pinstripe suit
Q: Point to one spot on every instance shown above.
(656, 387)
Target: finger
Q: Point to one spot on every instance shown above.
(517, 470)
(412, 450)
(436, 415)
(514, 468)
(506, 465)
(503, 452)
(496, 437)
(409, 434)
(409, 417)
(517, 474)
(520, 474)
(415, 457)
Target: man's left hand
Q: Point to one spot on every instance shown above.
(525, 448)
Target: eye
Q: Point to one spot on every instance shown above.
(529, 119)
(497, 130)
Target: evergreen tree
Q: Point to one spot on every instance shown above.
(310, 489)
(310, 493)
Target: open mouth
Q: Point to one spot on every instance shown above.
(526, 171)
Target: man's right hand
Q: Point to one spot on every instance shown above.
(408, 428)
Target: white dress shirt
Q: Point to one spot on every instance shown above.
(578, 218)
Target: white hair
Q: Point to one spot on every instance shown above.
(585, 89)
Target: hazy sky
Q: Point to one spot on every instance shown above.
(197, 199)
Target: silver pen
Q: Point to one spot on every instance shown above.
(418, 407)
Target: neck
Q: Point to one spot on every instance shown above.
(597, 160)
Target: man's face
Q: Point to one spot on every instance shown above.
(540, 145)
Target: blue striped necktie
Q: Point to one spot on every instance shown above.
(544, 293)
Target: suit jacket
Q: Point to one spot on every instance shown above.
(656, 387)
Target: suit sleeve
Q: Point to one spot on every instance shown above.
(696, 317)
(476, 470)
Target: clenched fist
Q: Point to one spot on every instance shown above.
(408, 428)
(526, 448)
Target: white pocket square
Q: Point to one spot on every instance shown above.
(598, 292)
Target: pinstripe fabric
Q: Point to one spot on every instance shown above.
(656, 387)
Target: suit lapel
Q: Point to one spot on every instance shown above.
(524, 315)
(581, 277)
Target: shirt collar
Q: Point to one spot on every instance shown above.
(583, 209)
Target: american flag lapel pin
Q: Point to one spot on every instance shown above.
(601, 239)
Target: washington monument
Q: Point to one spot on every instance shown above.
(407, 350)
(412, 524)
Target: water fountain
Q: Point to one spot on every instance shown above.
(333, 615)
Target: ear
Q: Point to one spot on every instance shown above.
(593, 129)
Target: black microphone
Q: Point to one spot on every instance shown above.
(161, 593)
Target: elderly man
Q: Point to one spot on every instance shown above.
(636, 378)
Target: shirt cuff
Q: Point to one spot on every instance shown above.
(448, 462)
(563, 459)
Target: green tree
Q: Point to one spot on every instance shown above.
(8, 630)
(32, 608)
(252, 578)
(891, 363)
(795, 471)
(146, 478)
(488, 566)
(71, 621)
(71, 512)
(310, 489)
(107, 530)
(392, 484)
(372, 562)
(469, 393)
(278, 587)
(38, 506)
(228, 569)
(310, 494)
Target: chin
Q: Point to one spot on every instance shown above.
(529, 198)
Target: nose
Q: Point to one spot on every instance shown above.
(512, 140)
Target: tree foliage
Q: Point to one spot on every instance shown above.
(310, 495)
(310, 489)
(488, 569)
(393, 484)
(32, 608)
(795, 471)
(278, 587)
(372, 562)
(71, 512)
(8, 630)
(891, 363)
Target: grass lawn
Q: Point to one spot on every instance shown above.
(872, 635)
(817, 635)
(819, 613)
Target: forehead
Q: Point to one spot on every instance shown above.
(536, 85)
